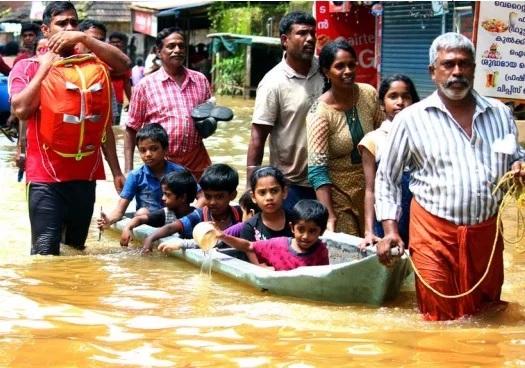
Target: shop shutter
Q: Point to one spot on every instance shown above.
(407, 37)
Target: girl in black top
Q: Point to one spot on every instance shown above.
(268, 192)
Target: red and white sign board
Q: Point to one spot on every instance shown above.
(145, 23)
(357, 25)
(500, 49)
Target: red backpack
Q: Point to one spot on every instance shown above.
(75, 106)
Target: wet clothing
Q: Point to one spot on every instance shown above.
(452, 216)
(59, 210)
(159, 99)
(143, 185)
(254, 229)
(333, 157)
(279, 254)
(61, 191)
(452, 258)
(282, 102)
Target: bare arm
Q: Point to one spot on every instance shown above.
(258, 137)
(166, 230)
(112, 56)
(129, 148)
(369, 168)
(324, 195)
(25, 103)
(21, 145)
(237, 243)
(137, 220)
(107, 220)
(127, 232)
(110, 153)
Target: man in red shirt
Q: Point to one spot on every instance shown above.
(167, 97)
(61, 189)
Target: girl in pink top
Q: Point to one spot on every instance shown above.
(308, 222)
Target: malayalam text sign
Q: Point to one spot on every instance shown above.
(356, 24)
(500, 49)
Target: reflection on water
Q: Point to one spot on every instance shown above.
(110, 307)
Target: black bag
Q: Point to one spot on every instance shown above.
(206, 116)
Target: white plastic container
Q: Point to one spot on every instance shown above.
(204, 235)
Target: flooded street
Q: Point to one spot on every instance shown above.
(110, 307)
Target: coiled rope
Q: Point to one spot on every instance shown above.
(514, 193)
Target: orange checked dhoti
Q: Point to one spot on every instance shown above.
(451, 259)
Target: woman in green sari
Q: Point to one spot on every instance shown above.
(335, 124)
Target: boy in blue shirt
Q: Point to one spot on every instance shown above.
(143, 183)
(219, 184)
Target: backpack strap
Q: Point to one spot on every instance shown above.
(236, 211)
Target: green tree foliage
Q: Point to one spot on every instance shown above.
(244, 18)
(230, 77)
(248, 19)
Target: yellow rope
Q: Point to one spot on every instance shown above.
(515, 192)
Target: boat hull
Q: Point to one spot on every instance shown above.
(357, 278)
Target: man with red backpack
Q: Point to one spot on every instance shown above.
(66, 102)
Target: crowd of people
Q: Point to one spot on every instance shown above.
(380, 165)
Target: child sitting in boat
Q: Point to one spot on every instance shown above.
(249, 209)
(143, 183)
(178, 192)
(308, 221)
(219, 183)
(268, 190)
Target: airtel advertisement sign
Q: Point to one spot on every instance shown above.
(357, 25)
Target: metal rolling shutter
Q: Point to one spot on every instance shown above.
(405, 43)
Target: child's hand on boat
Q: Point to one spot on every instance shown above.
(172, 245)
(146, 249)
(126, 237)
